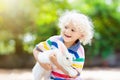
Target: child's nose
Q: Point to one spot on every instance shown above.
(67, 30)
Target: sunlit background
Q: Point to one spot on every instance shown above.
(24, 23)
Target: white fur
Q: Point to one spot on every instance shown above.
(40, 73)
(64, 58)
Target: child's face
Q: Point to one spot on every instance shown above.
(70, 33)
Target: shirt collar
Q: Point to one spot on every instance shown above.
(74, 47)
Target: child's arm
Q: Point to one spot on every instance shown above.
(54, 61)
(78, 63)
(37, 51)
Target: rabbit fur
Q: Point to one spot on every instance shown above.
(64, 58)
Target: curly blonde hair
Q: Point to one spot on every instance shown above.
(81, 21)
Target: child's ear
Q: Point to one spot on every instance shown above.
(81, 37)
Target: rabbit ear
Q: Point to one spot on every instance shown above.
(62, 47)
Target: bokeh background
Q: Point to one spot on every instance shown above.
(24, 23)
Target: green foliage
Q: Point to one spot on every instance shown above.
(47, 13)
(105, 17)
(106, 22)
(40, 17)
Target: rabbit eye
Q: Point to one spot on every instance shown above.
(67, 58)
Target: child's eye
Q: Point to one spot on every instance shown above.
(66, 27)
(73, 30)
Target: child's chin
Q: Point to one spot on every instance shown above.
(66, 40)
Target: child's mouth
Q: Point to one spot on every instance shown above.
(67, 36)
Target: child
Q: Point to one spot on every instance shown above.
(76, 29)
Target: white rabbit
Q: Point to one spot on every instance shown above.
(64, 58)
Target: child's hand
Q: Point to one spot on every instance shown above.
(54, 61)
(46, 66)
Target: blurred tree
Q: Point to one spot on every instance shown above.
(15, 22)
(20, 20)
(38, 17)
(46, 16)
(24, 23)
(105, 17)
(106, 20)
